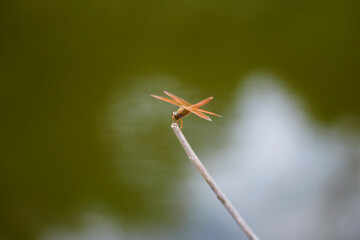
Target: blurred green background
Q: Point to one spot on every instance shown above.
(86, 153)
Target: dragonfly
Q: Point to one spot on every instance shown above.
(185, 108)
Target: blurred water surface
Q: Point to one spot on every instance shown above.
(86, 153)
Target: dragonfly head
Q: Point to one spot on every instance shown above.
(176, 116)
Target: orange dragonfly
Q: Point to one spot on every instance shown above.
(186, 108)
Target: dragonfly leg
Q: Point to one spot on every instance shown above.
(181, 123)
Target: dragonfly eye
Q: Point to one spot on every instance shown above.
(176, 115)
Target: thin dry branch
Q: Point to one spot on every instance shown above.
(220, 195)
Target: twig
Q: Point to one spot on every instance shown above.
(220, 195)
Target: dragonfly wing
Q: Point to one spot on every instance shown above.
(179, 100)
(166, 100)
(200, 114)
(204, 111)
(203, 102)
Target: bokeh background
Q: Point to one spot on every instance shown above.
(86, 153)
